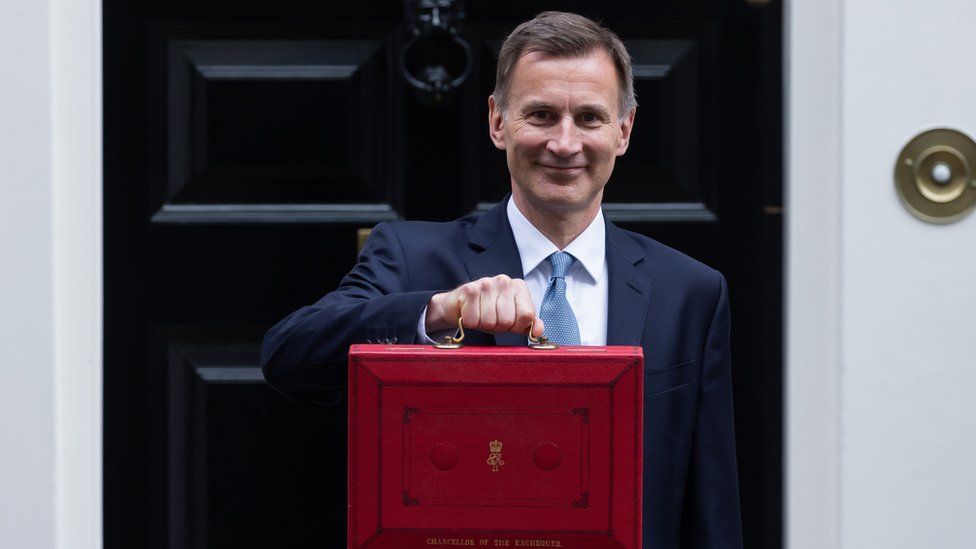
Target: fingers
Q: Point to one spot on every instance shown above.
(493, 304)
(490, 290)
(538, 328)
(469, 304)
(525, 313)
(505, 307)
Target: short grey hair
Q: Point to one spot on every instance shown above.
(563, 34)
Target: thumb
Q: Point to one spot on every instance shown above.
(538, 328)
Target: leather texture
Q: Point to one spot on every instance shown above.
(495, 443)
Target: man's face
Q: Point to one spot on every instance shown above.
(561, 131)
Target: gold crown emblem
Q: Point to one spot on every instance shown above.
(495, 446)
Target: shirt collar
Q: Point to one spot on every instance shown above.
(589, 248)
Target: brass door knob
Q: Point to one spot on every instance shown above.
(934, 175)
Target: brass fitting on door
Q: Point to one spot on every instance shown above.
(934, 175)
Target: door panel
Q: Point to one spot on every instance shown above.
(229, 433)
(245, 146)
(273, 121)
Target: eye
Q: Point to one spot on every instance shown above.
(589, 118)
(540, 115)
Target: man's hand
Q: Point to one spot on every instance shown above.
(492, 304)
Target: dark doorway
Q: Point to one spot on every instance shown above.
(248, 143)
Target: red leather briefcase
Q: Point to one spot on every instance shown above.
(495, 447)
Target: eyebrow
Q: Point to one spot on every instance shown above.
(600, 110)
(538, 106)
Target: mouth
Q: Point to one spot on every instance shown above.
(563, 169)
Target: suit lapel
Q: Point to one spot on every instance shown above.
(492, 251)
(629, 292)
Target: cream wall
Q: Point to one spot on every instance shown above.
(812, 99)
(50, 282)
(908, 395)
(882, 365)
(27, 406)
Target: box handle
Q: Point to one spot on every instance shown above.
(454, 342)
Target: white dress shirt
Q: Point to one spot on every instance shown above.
(587, 288)
(587, 282)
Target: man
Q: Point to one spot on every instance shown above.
(547, 260)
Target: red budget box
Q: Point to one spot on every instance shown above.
(495, 447)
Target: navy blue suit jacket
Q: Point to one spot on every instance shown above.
(673, 306)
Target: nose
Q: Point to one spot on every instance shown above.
(566, 140)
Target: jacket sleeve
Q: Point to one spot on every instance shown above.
(711, 511)
(305, 354)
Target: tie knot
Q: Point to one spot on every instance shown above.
(561, 262)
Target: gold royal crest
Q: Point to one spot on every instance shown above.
(495, 455)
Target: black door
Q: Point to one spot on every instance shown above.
(248, 144)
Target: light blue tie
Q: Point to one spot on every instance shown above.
(555, 312)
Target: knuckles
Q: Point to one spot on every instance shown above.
(502, 282)
(470, 290)
(492, 284)
(524, 317)
(470, 297)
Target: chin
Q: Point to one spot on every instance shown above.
(560, 197)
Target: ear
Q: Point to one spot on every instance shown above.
(626, 126)
(496, 123)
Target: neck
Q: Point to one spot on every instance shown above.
(560, 228)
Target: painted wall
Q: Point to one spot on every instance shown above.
(50, 280)
(881, 390)
(908, 398)
(27, 406)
